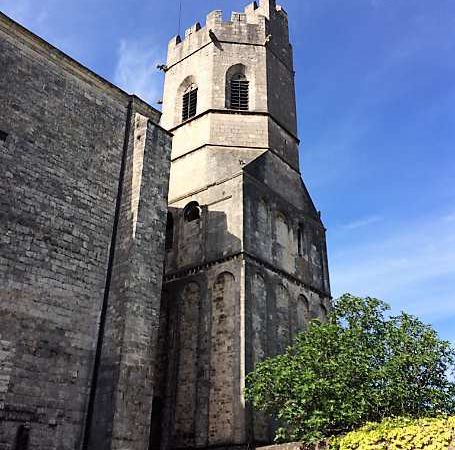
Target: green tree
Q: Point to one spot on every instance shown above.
(357, 367)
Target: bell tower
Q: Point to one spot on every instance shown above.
(246, 264)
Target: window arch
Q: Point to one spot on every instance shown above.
(189, 102)
(237, 88)
(192, 212)
(169, 242)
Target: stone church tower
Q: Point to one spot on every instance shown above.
(246, 263)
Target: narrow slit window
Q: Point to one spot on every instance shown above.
(169, 241)
(3, 136)
(189, 104)
(239, 92)
(300, 241)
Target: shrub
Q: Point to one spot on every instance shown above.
(399, 434)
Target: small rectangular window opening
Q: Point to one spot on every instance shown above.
(3, 136)
(189, 105)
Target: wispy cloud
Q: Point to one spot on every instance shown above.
(27, 12)
(412, 267)
(136, 70)
(360, 223)
(46, 18)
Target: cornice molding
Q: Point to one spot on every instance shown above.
(196, 269)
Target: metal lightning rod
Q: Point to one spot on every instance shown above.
(180, 17)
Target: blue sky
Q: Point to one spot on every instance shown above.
(376, 102)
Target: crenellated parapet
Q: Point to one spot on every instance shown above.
(253, 26)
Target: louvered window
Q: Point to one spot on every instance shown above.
(189, 104)
(239, 92)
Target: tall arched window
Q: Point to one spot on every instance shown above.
(239, 92)
(189, 102)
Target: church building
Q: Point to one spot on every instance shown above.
(149, 260)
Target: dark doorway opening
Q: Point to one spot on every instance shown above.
(22, 438)
(155, 426)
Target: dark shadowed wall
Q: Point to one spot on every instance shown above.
(83, 188)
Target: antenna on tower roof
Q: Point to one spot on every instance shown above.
(180, 17)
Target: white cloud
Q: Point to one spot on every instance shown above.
(360, 223)
(136, 70)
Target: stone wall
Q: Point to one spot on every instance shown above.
(123, 401)
(282, 227)
(200, 370)
(63, 137)
(246, 225)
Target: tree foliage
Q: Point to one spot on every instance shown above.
(360, 366)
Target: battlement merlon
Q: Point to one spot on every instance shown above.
(255, 26)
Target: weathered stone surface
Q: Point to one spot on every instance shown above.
(256, 253)
(62, 141)
(92, 354)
